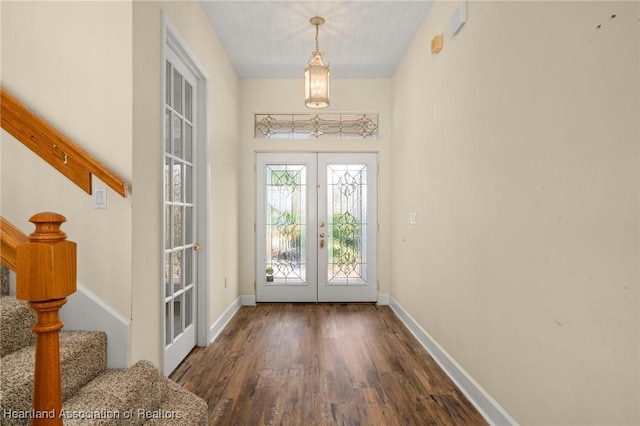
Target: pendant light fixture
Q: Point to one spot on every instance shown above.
(316, 75)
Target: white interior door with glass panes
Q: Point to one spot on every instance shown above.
(316, 227)
(180, 246)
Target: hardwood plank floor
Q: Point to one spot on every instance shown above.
(321, 364)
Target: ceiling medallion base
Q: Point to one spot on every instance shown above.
(317, 20)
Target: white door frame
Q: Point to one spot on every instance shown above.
(171, 37)
(316, 288)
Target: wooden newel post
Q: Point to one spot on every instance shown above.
(46, 276)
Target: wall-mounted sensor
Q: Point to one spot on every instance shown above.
(458, 19)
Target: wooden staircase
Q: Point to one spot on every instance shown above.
(35, 387)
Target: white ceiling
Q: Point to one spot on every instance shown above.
(274, 39)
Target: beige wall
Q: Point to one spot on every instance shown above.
(71, 63)
(190, 21)
(93, 70)
(287, 96)
(517, 147)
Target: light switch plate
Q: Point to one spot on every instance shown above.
(100, 197)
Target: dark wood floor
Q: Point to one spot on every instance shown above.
(321, 364)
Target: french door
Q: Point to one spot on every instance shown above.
(316, 227)
(180, 246)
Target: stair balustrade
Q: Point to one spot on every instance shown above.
(10, 238)
(46, 276)
(45, 262)
(45, 267)
(54, 147)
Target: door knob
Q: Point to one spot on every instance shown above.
(322, 235)
(321, 243)
(197, 246)
(321, 224)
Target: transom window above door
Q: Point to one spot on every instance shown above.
(307, 126)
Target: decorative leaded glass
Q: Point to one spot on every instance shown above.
(347, 224)
(285, 219)
(307, 126)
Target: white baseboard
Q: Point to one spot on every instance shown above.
(224, 319)
(248, 300)
(484, 403)
(84, 310)
(383, 299)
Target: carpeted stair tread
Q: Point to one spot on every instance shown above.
(92, 395)
(83, 355)
(116, 397)
(16, 321)
(178, 406)
(4, 280)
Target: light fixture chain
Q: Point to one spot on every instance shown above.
(317, 49)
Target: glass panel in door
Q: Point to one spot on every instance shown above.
(346, 224)
(347, 217)
(286, 205)
(286, 223)
(179, 213)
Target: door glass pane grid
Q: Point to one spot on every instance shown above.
(168, 181)
(178, 123)
(188, 97)
(177, 91)
(188, 306)
(168, 276)
(347, 224)
(176, 178)
(179, 204)
(167, 315)
(167, 130)
(177, 268)
(178, 315)
(286, 227)
(177, 226)
(188, 142)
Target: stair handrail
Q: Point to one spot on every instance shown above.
(54, 147)
(45, 277)
(10, 238)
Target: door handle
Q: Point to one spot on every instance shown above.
(322, 235)
(197, 246)
(321, 243)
